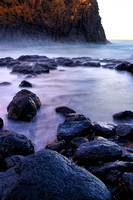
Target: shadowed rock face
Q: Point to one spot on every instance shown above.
(59, 20)
(49, 176)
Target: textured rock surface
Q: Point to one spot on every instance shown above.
(63, 20)
(23, 106)
(72, 129)
(100, 149)
(14, 144)
(48, 175)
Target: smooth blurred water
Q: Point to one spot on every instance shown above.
(118, 49)
(97, 93)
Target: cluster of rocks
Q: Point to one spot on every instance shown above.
(34, 64)
(105, 168)
(98, 148)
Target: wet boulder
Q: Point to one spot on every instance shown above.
(64, 110)
(104, 129)
(25, 84)
(23, 106)
(14, 144)
(123, 115)
(49, 175)
(125, 131)
(73, 129)
(99, 150)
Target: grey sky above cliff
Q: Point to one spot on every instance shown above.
(117, 16)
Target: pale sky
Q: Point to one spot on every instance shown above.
(117, 18)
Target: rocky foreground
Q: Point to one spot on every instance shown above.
(57, 20)
(105, 168)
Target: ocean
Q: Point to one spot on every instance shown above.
(97, 93)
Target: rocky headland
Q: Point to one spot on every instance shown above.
(64, 20)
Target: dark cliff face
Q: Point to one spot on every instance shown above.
(59, 20)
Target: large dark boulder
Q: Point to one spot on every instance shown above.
(14, 144)
(23, 106)
(99, 150)
(63, 20)
(48, 175)
(73, 129)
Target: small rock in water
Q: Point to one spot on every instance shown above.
(64, 110)
(123, 115)
(5, 83)
(23, 106)
(25, 84)
(1, 123)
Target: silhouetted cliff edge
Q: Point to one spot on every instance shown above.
(59, 20)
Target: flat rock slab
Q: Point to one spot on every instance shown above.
(48, 175)
(99, 150)
(72, 129)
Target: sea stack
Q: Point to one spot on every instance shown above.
(57, 20)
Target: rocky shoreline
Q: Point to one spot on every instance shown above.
(32, 65)
(88, 160)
